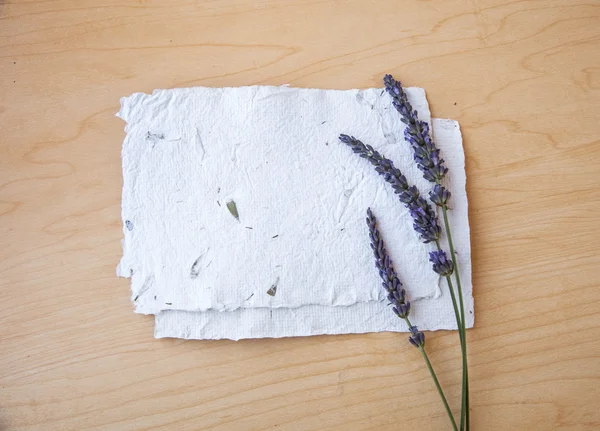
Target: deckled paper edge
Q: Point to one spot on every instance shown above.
(298, 322)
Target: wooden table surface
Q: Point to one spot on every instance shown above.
(523, 79)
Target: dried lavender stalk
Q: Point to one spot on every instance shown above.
(428, 159)
(397, 297)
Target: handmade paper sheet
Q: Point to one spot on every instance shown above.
(299, 194)
(295, 243)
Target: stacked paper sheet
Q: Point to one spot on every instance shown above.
(244, 216)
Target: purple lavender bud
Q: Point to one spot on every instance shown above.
(409, 195)
(441, 264)
(417, 338)
(397, 295)
(346, 139)
(439, 195)
(426, 155)
(425, 220)
(402, 310)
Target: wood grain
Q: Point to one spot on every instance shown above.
(523, 79)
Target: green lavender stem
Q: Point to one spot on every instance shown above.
(461, 335)
(465, 415)
(436, 381)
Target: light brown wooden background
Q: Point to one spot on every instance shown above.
(523, 79)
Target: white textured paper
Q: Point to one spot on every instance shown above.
(374, 316)
(300, 194)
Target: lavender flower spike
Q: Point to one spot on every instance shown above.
(426, 154)
(390, 281)
(424, 217)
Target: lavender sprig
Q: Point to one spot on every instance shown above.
(426, 154)
(428, 159)
(397, 297)
(424, 217)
